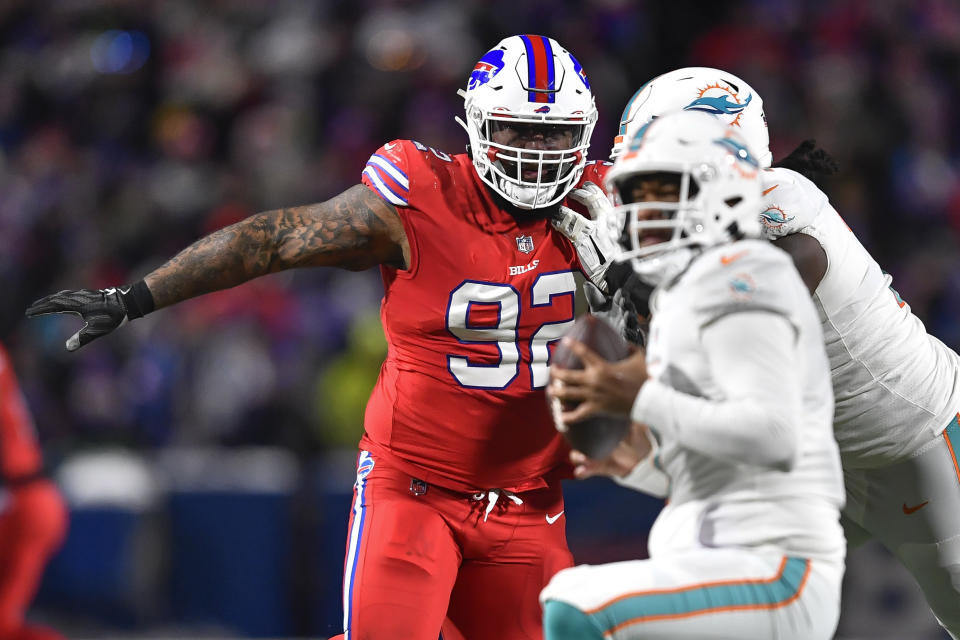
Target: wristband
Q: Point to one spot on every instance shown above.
(137, 299)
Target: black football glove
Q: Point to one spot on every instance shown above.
(102, 310)
(621, 277)
(627, 308)
(618, 312)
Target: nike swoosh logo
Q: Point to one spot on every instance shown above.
(766, 191)
(389, 146)
(908, 510)
(728, 259)
(551, 520)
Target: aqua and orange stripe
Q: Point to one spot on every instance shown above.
(785, 587)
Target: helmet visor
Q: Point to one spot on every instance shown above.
(535, 152)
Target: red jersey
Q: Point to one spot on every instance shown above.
(19, 454)
(470, 326)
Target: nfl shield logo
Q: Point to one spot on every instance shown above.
(525, 243)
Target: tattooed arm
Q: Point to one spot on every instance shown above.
(355, 230)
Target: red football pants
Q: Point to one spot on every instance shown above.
(32, 527)
(414, 559)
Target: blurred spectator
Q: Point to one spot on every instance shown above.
(127, 130)
(344, 387)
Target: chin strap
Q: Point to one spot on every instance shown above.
(522, 196)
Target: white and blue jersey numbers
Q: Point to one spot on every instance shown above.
(464, 305)
(544, 292)
(488, 312)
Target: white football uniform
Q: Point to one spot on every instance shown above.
(897, 396)
(749, 544)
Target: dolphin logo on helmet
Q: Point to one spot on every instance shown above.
(704, 89)
(718, 105)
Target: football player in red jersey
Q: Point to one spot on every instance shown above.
(33, 518)
(457, 507)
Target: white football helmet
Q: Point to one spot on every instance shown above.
(526, 82)
(719, 193)
(698, 89)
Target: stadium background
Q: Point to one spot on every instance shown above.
(207, 450)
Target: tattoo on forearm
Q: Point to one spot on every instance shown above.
(355, 230)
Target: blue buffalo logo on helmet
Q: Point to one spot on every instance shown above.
(579, 69)
(486, 68)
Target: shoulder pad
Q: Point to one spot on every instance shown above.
(750, 275)
(397, 167)
(429, 152)
(595, 171)
(388, 172)
(790, 202)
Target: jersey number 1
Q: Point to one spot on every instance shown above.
(503, 331)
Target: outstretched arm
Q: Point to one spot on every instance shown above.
(355, 230)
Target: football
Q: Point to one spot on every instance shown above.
(596, 436)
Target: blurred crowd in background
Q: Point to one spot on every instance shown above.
(129, 129)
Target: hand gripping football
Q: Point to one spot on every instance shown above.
(598, 435)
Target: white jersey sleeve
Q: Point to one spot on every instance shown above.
(739, 397)
(745, 299)
(753, 422)
(896, 386)
(647, 476)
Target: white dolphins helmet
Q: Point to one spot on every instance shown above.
(529, 81)
(699, 89)
(718, 199)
